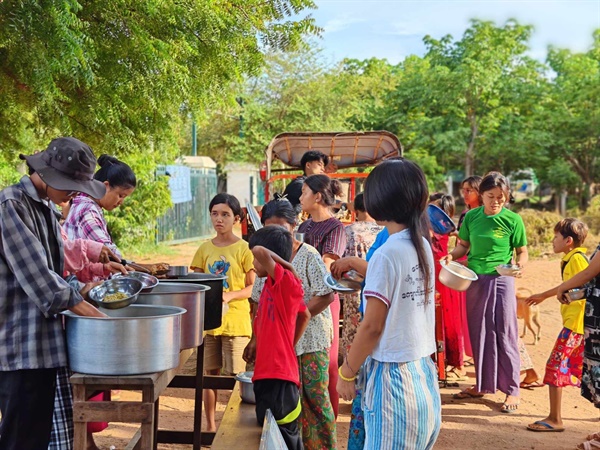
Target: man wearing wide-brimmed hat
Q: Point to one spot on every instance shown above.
(32, 343)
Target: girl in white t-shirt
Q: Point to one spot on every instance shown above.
(401, 399)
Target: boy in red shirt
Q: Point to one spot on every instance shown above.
(280, 320)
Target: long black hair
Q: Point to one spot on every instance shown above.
(444, 201)
(327, 187)
(280, 208)
(396, 191)
(117, 173)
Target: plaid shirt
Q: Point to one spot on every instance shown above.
(33, 290)
(86, 221)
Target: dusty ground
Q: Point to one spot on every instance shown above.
(474, 424)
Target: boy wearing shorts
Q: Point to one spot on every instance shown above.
(565, 363)
(280, 321)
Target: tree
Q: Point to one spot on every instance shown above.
(572, 116)
(297, 91)
(124, 75)
(458, 95)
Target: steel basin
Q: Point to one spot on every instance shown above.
(213, 306)
(188, 296)
(131, 341)
(456, 276)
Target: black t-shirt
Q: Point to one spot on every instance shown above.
(294, 190)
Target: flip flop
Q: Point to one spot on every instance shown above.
(466, 394)
(535, 384)
(543, 427)
(455, 375)
(589, 445)
(509, 408)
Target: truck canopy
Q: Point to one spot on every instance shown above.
(344, 149)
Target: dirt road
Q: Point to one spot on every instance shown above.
(472, 424)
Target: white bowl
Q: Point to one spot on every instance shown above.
(456, 276)
(508, 270)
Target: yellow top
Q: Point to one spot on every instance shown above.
(572, 313)
(233, 261)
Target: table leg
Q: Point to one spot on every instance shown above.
(198, 397)
(156, 412)
(148, 429)
(80, 428)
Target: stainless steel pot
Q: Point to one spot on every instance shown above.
(456, 276)
(188, 296)
(246, 386)
(213, 302)
(133, 340)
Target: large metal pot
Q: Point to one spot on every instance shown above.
(213, 302)
(188, 296)
(133, 340)
(456, 276)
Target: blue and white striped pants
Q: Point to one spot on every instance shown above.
(401, 404)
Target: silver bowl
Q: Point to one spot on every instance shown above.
(456, 276)
(336, 285)
(508, 270)
(149, 281)
(129, 286)
(246, 386)
(576, 294)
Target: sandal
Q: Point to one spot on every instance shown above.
(454, 375)
(591, 437)
(509, 408)
(467, 393)
(535, 384)
(594, 444)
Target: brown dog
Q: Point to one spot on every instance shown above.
(530, 314)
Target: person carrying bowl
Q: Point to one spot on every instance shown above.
(490, 234)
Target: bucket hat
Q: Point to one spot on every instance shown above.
(67, 165)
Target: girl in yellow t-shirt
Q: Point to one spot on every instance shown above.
(226, 255)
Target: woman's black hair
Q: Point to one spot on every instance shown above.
(117, 173)
(496, 180)
(327, 187)
(359, 203)
(228, 200)
(275, 238)
(444, 201)
(473, 181)
(280, 208)
(396, 191)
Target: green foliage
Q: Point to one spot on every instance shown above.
(539, 226)
(125, 76)
(134, 222)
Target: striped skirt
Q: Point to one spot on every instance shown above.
(401, 405)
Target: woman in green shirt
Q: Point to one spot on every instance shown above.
(491, 233)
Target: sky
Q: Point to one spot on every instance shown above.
(394, 29)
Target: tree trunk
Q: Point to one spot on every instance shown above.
(470, 154)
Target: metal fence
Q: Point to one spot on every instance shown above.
(189, 221)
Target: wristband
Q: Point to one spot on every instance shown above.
(344, 378)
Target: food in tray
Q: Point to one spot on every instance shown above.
(157, 269)
(114, 297)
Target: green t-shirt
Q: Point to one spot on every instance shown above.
(492, 238)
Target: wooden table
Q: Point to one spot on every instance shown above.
(238, 428)
(144, 412)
